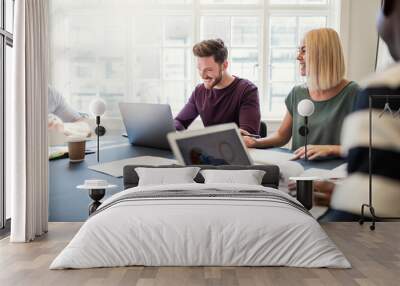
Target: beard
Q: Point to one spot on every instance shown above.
(210, 82)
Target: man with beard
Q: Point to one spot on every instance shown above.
(222, 97)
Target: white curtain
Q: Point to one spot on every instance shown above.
(27, 157)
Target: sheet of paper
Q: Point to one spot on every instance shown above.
(318, 211)
(105, 144)
(339, 172)
(267, 156)
(116, 168)
(54, 149)
(56, 138)
(57, 152)
(282, 160)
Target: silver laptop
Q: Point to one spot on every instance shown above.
(147, 124)
(215, 145)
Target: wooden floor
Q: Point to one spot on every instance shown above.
(374, 255)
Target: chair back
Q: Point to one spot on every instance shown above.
(263, 129)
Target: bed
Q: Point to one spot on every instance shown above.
(201, 224)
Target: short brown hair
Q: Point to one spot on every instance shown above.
(213, 47)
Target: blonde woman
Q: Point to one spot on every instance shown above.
(321, 60)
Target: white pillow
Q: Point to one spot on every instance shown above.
(163, 176)
(248, 177)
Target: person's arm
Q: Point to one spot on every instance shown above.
(79, 127)
(279, 138)
(249, 113)
(63, 118)
(59, 107)
(187, 115)
(317, 151)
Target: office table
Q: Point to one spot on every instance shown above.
(67, 203)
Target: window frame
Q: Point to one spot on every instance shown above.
(264, 10)
(6, 39)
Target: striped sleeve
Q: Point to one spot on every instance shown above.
(385, 151)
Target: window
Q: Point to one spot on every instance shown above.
(140, 51)
(6, 43)
(285, 35)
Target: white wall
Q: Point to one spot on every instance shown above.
(359, 36)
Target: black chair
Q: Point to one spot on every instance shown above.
(263, 129)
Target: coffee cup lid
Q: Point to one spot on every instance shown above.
(75, 139)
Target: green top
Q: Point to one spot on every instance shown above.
(325, 124)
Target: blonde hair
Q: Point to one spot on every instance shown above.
(325, 65)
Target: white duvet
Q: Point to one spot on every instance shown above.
(200, 231)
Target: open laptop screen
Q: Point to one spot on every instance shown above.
(210, 146)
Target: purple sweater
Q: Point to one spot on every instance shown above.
(238, 102)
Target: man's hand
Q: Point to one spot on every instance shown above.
(244, 132)
(316, 151)
(250, 142)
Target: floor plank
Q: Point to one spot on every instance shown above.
(374, 255)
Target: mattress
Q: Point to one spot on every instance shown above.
(201, 225)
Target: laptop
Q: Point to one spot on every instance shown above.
(215, 145)
(147, 124)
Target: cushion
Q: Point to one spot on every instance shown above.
(271, 177)
(248, 177)
(162, 176)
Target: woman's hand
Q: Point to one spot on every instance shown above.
(317, 151)
(323, 191)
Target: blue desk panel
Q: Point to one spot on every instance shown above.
(66, 202)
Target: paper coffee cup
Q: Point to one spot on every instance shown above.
(76, 149)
